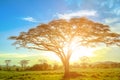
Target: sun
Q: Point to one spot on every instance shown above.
(80, 52)
(77, 51)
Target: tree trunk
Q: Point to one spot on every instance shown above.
(7, 67)
(66, 68)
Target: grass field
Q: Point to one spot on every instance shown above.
(76, 74)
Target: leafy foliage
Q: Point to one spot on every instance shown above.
(58, 34)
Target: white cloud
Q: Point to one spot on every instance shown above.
(116, 11)
(29, 19)
(19, 55)
(116, 27)
(111, 20)
(114, 24)
(77, 14)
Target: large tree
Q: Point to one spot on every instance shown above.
(63, 36)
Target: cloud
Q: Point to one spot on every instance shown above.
(116, 27)
(107, 3)
(19, 55)
(114, 24)
(29, 19)
(116, 11)
(77, 14)
(111, 20)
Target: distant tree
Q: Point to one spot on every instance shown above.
(84, 61)
(43, 66)
(55, 66)
(75, 65)
(7, 64)
(36, 67)
(62, 37)
(24, 63)
(14, 67)
(0, 68)
(42, 61)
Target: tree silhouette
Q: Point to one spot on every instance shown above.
(7, 64)
(44, 64)
(42, 61)
(24, 63)
(62, 37)
(55, 66)
(0, 68)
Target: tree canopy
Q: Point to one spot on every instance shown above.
(62, 36)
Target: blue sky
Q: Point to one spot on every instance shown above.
(21, 15)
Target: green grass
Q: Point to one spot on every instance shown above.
(76, 74)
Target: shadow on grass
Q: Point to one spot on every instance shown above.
(73, 75)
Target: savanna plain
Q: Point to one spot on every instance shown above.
(75, 74)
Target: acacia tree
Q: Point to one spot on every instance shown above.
(42, 61)
(23, 63)
(84, 61)
(7, 64)
(62, 37)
